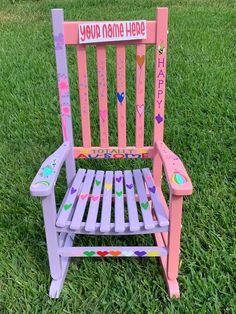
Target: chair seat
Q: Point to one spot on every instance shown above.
(107, 202)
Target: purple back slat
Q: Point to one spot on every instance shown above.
(105, 225)
(159, 209)
(83, 198)
(119, 202)
(131, 203)
(145, 208)
(67, 206)
(94, 202)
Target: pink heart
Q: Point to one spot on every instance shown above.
(103, 114)
(94, 198)
(148, 178)
(83, 196)
(140, 109)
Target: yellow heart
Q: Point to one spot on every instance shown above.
(108, 186)
(153, 253)
(85, 151)
(142, 151)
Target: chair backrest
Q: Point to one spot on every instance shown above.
(67, 33)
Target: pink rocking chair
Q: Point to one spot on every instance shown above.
(136, 191)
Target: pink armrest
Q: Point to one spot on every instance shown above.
(44, 181)
(177, 177)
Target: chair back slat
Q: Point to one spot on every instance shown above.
(140, 93)
(83, 92)
(102, 94)
(160, 72)
(121, 94)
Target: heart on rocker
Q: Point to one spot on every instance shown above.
(144, 205)
(115, 253)
(103, 114)
(94, 198)
(73, 190)
(120, 97)
(102, 253)
(127, 253)
(83, 196)
(67, 206)
(118, 179)
(97, 182)
(140, 60)
(89, 253)
(108, 186)
(140, 109)
(140, 253)
(129, 186)
(152, 189)
(119, 193)
(153, 253)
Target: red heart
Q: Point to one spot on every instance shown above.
(102, 253)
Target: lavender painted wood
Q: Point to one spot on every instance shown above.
(114, 251)
(119, 202)
(131, 202)
(157, 204)
(67, 207)
(143, 200)
(83, 198)
(94, 202)
(106, 204)
(63, 87)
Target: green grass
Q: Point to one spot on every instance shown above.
(200, 127)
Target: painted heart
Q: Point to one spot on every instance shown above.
(152, 189)
(73, 190)
(118, 179)
(108, 186)
(97, 182)
(94, 198)
(89, 253)
(83, 196)
(127, 253)
(102, 253)
(159, 118)
(140, 253)
(144, 205)
(119, 193)
(68, 206)
(140, 109)
(140, 60)
(115, 253)
(103, 114)
(148, 178)
(120, 97)
(129, 186)
(153, 253)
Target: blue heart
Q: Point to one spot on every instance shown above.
(120, 97)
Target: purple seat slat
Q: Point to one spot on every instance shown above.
(158, 207)
(94, 202)
(66, 210)
(83, 198)
(131, 202)
(119, 202)
(145, 208)
(105, 225)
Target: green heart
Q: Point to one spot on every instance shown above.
(119, 193)
(89, 253)
(98, 182)
(144, 205)
(67, 206)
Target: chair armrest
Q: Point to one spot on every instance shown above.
(45, 180)
(177, 177)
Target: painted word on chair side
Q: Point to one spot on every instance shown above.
(95, 32)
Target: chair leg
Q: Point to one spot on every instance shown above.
(49, 214)
(57, 285)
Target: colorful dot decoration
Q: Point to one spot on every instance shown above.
(178, 178)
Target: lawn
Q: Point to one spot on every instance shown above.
(199, 127)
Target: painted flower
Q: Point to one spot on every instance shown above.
(59, 41)
(63, 86)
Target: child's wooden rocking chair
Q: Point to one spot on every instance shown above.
(140, 190)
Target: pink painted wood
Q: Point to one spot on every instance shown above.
(102, 94)
(140, 94)
(121, 94)
(83, 91)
